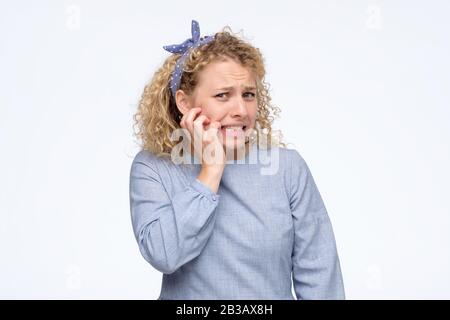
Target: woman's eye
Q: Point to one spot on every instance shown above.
(221, 95)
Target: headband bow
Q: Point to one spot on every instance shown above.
(184, 48)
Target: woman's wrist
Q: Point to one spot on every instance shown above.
(211, 176)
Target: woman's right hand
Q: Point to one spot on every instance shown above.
(207, 146)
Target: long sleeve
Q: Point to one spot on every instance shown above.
(169, 232)
(316, 271)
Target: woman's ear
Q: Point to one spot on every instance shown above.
(183, 101)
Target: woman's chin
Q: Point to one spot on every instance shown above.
(234, 145)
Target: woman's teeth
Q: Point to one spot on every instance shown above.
(234, 130)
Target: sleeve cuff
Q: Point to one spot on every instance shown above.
(197, 185)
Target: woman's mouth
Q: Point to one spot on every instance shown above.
(233, 131)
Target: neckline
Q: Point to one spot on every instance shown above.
(189, 158)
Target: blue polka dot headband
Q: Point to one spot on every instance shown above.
(185, 48)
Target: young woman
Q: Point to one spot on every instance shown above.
(217, 225)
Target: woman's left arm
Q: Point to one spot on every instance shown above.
(316, 271)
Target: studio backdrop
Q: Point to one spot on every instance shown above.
(363, 89)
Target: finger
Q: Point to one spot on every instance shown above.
(200, 121)
(207, 123)
(214, 128)
(185, 116)
(198, 125)
(208, 136)
(215, 124)
(214, 131)
(183, 121)
(190, 116)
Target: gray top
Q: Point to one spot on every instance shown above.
(260, 233)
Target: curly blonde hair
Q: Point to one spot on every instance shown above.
(157, 115)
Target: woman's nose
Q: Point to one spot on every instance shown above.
(240, 107)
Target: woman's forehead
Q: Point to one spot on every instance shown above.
(226, 75)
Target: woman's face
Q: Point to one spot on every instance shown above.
(226, 91)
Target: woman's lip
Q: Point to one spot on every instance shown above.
(233, 133)
(226, 126)
(243, 128)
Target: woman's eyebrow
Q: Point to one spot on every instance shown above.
(232, 88)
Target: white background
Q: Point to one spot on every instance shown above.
(364, 91)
